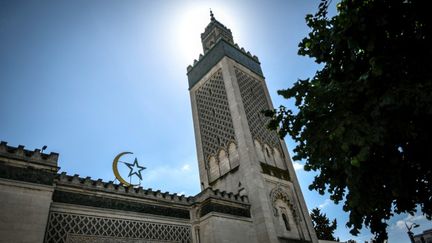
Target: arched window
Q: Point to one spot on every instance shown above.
(285, 219)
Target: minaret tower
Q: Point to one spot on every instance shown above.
(236, 152)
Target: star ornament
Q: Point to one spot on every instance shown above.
(135, 169)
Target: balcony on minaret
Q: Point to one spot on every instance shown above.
(213, 32)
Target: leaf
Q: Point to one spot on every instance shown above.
(371, 94)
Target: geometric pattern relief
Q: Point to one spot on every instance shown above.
(255, 101)
(66, 227)
(214, 115)
(71, 238)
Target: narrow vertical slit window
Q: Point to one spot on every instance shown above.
(285, 219)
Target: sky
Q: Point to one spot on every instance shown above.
(91, 79)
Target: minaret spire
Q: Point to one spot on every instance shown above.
(214, 32)
(212, 18)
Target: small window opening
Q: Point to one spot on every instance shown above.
(285, 219)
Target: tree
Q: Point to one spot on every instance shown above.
(322, 226)
(364, 121)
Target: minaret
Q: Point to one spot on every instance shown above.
(236, 152)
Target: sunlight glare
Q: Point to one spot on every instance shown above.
(192, 22)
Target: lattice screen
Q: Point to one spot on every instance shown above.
(65, 227)
(255, 101)
(215, 120)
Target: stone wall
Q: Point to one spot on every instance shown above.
(24, 209)
(39, 205)
(26, 187)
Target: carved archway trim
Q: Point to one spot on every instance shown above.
(278, 193)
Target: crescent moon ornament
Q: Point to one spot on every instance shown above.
(116, 172)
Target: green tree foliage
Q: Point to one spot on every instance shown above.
(364, 120)
(322, 226)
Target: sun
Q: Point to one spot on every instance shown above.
(192, 21)
(190, 26)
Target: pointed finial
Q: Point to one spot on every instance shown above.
(211, 15)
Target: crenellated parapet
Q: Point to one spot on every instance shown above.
(241, 49)
(32, 156)
(87, 183)
(76, 190)
(63, 180)
(212, 25)
(216, 201)
(222, 48)
(222, 195)
(19, 164)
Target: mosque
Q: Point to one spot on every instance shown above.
(249, 189)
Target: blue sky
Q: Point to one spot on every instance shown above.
(91, 79)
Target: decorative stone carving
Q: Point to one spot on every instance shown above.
(215, 120)
(268, 154)
(224, 164)
(255, 101)
(278, 159)
(242, 190)
(66, 227)
(259, 151)
(72, 238)
(214, 172)
(278, 193)
(233, 155)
